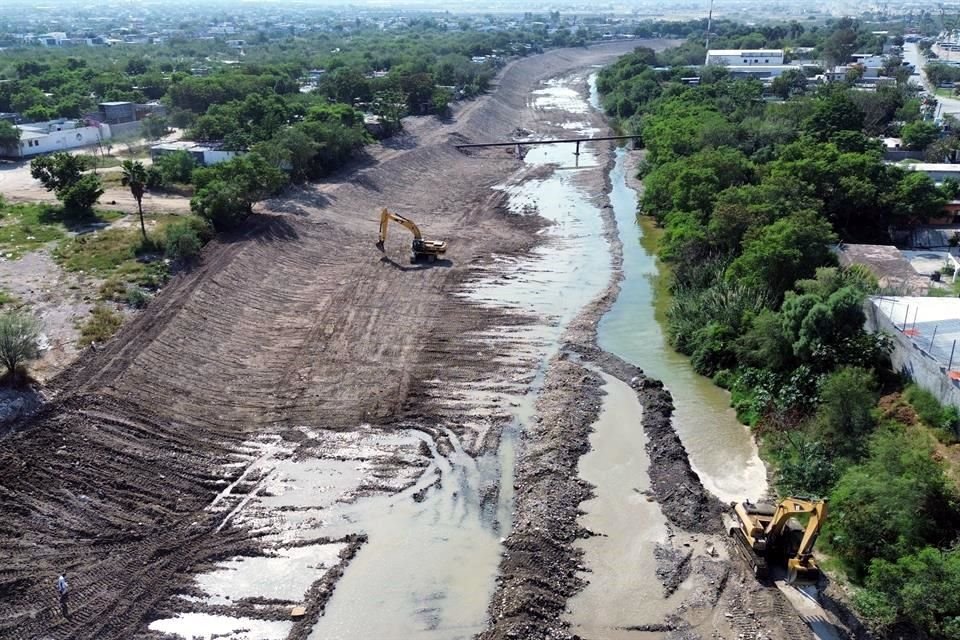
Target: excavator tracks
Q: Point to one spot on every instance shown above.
(757, 564)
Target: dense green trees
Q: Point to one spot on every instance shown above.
(176, 167)
(753, 195)
(775, 256)
(226, 192)
(9, 137)
(63, 174)
(922, 586)
(920, 134)
(895, 502)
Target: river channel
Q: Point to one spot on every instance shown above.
(721, 449)
(429, 566)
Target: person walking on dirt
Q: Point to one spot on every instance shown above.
(63, 589)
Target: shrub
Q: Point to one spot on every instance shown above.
(936, 416)
(19, 342)
(224, 205)
(137, 297)
(923, 588)
(100, 326)
(176, 167)
(807, 469)
(724, 378)
(184, 239)
(80, 197)
(845, 416)
(897, 501)
(714, 349)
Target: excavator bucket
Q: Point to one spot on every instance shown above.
(380, 246)
(799, 574)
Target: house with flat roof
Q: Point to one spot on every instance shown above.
(56, 135)
(938, 171)
(892, 268)
(744, 57)
(203, 153)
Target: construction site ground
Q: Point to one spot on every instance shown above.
(192, 440)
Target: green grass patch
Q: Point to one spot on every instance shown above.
(100, 326)
(942, 420)
(8, 300)
(119, 256)
(27, 227)
(112, 179)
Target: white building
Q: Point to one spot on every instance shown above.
(937, 171)
(745, 57)
(204, 154)
(57, 135)
(762, 72)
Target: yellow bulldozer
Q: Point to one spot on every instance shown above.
(422, 249)
(781, 535)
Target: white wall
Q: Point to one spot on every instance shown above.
(62, 140)
(212, 156)
(747, 59)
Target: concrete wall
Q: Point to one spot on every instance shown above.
(126, 130)
(912, 360)
(216, 156)
(746, 57)
(62, 140)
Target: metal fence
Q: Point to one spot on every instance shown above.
(932, 325)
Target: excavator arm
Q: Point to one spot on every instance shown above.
(800, 564)
(386, 216)
(428, 249)
(774, 534)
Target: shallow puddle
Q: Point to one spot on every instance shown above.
(201, 625)
(557, 95)
(285, 575)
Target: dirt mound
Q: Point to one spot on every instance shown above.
(538, 570)
(674, 485)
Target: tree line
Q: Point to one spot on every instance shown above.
(752, 194)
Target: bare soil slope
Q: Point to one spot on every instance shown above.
(298, 321)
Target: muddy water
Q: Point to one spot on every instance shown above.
(623, 591)
(720, 448)
(429, 568)
(426, 570)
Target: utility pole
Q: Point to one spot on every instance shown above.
(709, 25)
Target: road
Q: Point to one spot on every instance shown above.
(911, 53)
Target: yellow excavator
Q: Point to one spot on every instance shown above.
(422, 249)
(775, 535)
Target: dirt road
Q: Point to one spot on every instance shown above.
(17, 185)
(297, 322)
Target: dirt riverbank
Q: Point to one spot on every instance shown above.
(294, 361)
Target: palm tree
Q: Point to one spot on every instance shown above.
(135, 177)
